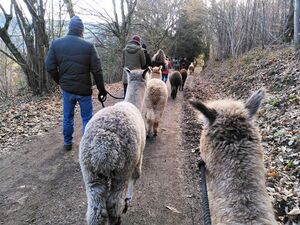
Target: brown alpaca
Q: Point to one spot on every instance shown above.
(184, 74)
(232, 151)
(175, 81)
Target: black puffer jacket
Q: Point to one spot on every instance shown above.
(70, 61)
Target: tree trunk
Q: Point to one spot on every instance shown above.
(296, 25)
(288, 29)
(36, 41)
(70, 8)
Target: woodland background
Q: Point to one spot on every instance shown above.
(196, 29)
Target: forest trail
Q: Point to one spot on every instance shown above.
(42, 184)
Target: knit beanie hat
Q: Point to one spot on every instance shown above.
(136, 39)
(76, 25)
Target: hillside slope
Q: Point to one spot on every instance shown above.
(278, 71)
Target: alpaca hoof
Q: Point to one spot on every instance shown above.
(155, 135)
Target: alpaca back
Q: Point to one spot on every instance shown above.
(230, 146)
(156, 95)
(108, 146)
(175, 81)
(184, 74)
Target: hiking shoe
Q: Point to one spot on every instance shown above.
(68, 147)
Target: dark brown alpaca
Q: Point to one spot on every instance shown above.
(184, 74)
(175, 81)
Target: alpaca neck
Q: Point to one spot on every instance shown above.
(135, 94)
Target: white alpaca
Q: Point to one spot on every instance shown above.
(156, 72)
(191, 69)
(155, 101)
(111, 153)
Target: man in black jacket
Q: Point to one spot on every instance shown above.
(69, 61)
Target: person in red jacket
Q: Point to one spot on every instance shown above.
(165, 69)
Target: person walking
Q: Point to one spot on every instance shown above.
(165, 69)
(70, 61)
(133, 57)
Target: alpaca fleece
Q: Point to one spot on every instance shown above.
(156, 72)
(175, 81)
(184, 75)
(155, 101)
(191, 68)
(111, 153)
(230, 146)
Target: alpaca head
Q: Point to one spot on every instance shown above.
(229, 108)
(156, 72)
(228, 122)
(137, 75)
(137, 83)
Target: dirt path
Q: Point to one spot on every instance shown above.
(42, 184)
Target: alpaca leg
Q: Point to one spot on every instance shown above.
(129, 194)
(136, 174)
(114, 202)
(147, 126)
(150, 128)
(96, 189)
(138, 169)
(155, 128)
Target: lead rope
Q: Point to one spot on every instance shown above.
(205, 203)
(103, 99)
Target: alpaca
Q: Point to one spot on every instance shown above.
(184, 74)
(156, 72)
(230, 146)
(111, 153)
(155, 101)
(158, 58)
(191, 69)
(175, 81)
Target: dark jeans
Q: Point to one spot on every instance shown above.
(86, 111)
(165, 77)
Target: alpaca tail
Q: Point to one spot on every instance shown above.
(150, 115)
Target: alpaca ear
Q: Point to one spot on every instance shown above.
(150, 69)
(253, 103)
(146, 71)
(160, 67)
(126, 70)
(210, 114)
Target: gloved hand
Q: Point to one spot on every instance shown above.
(102, 95)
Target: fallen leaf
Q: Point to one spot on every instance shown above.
(172, 209)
